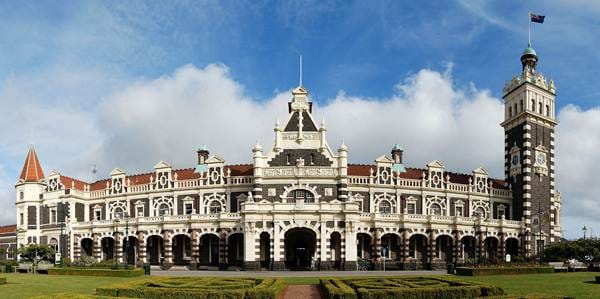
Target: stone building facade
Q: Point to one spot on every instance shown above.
(301, 205)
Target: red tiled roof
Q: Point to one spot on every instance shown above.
(8, 229)
(32, 170)
(240, 169)
(417, 173)
(69, 182)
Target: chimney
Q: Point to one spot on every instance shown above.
(397, 154)
(202, 154)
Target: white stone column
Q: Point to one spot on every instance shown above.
(350, 237)
(276, 243)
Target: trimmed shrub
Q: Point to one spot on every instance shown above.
(197, 287)
(96, 272)
(269, 288)
(419, 287)
(598, 279)
(69, 296)
(2, 280)
(469, 271)
(336, 289)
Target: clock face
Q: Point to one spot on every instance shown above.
(540, 158)
(515, 159)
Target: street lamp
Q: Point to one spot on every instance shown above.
(476, 229)
(584, 229)
(116, 221)
(126, 216)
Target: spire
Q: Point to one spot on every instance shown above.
(32, 170)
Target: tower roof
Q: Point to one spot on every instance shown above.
(32, 170)
(529, 51)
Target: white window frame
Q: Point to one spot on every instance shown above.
(185, 208)
(97, 213)
(53, 216)
(139, 208)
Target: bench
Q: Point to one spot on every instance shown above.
(43, 267)
(24, 268)
(577, 266)
(559, 267)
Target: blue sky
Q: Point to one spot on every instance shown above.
(66, 65)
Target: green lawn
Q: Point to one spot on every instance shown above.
(30, 285)
(578, 285)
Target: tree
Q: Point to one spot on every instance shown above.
(582, 250)
(35, 252)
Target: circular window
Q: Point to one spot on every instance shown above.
(481, 185)
(53, 185)
(435, 179)
(163, 180)
(384, 175)
(118, 185)
(215, 175)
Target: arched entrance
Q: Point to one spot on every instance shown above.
(512, 247)
(182, 250)
(390, 245)
(417, 248)
(131, 247)
(469, 248)
(491, 250)
(364, 246)
(235, 249)
(265, 250)
(155, 249)
(300, 248)
(336, 250)
(444, 247)
(86, 246)
(209, 250)
(108, 248)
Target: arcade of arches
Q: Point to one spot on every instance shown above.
(301, 249)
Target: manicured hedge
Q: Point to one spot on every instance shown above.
(96, 272)
(597, 279)
(2, 280)
(405, 287)
(336, 289)
(469, 271)
(70, 296)
(197, 287)
(528, 296)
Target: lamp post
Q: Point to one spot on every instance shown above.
(476, 228)
(126, 239)
(584, 229)
(116, 221)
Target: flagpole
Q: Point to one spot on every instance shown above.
(529, 23)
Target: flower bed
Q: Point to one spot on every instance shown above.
(405, 287)
(197, 287)
(470, 271)
(96, 272)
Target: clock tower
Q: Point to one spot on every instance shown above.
(529, 121)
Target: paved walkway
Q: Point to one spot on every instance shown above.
(293, 273)
(302, 292)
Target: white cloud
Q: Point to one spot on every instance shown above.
(169, 117)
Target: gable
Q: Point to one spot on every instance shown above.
(307, 124)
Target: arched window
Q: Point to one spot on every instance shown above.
(521, 105)
(118, 213)
(303, 194)
(533, 105)
(547, 110)
(515, 109)
(164, 209)
(214, 207)
(385, 207)
(509, 111)
(540, 107)
(435, 209)
(479, 212)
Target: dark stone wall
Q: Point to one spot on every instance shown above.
(307, 124)
(320, 190)
(312, 157)
(512, 137)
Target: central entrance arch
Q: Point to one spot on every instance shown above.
(300, 248)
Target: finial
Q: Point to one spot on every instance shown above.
(323, 122)
(300, 85)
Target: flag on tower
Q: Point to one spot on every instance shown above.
(537, 18)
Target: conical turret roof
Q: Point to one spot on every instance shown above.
(32, 170)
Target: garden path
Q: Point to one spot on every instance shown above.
(302, 291)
